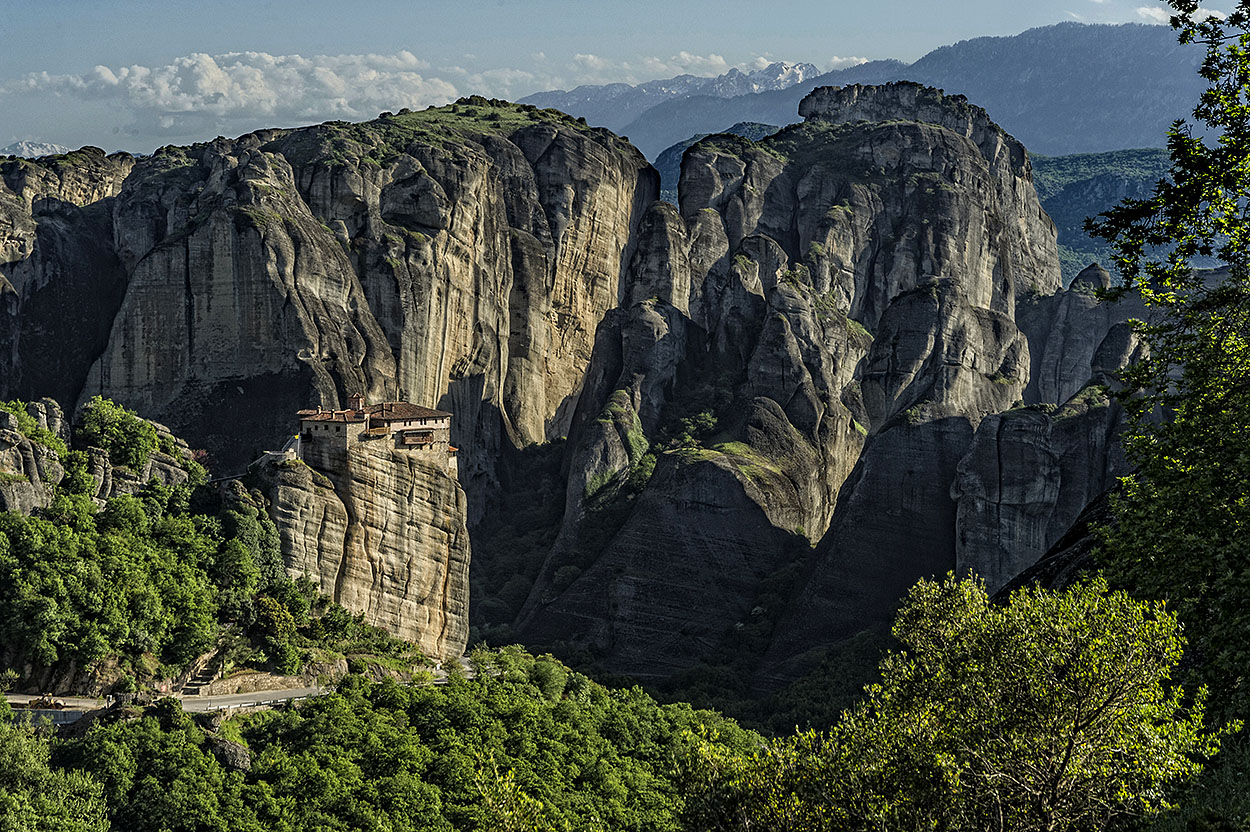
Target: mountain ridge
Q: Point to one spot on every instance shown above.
(1061, 89)
(614, 105)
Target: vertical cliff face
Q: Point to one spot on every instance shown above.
(383, 533)
(461, 257)
(843, 364)
(840, 299)
(61, 281)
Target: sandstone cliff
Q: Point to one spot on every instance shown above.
(837, 307)
(384, 536)
(29, 468)
(459, 257)
(844, 363)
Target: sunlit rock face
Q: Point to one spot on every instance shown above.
(383, 533)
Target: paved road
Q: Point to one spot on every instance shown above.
(243, 700)
(224, 702)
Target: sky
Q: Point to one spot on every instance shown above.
(138, 74)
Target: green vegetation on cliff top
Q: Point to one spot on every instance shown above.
(377, 142)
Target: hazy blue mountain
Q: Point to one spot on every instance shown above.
(615, 105)
(1074, 88)
(1062, 89)
(1072, 188)
(668, 163)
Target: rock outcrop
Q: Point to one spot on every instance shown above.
(460, 257)
(1066, 332)
(61, 282)
(840, 298)
(1026, 478)
(844, 363)
(29, 469)
(167, 467)
(384, 535)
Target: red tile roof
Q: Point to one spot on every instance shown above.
(384, 412)
(331, 416)
(396, 411)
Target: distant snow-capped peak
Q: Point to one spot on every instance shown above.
(776, 76)
(32, 150)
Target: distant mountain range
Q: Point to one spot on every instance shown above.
(32, 150)
(1072, 188)
(616, 105)
(1062, 89)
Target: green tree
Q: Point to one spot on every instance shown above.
(275, 627)
(1183, 517)
(1050, 712)
(36, 798)
(128, 439)
(507, 808)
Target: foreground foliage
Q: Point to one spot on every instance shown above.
(37, 798)
(1051, 712)
(1183, 518)
(526, 745)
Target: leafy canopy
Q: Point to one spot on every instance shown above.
(35, 797)
(510, 749)
(1053, 711)
(1184, 517)
(128, 439)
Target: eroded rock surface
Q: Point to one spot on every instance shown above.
(461, 258)
(840, 298)
(29, 469)
(843, 364)
(384, 536)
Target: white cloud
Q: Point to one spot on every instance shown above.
(1153, 14)
(1074, 15)
(197, 91)
(587, 61)
(1158, 15)
(197, 96)
(842, 63)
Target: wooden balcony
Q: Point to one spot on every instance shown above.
(417, 438)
